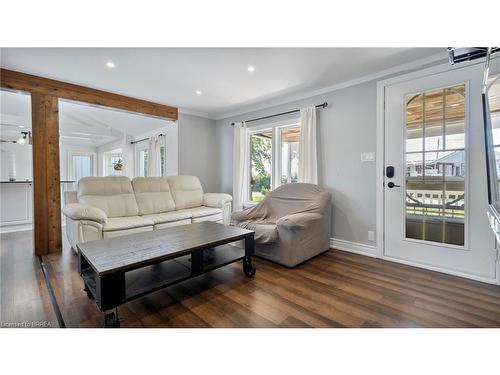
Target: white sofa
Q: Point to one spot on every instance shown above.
(105, 207)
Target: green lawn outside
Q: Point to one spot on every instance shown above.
(257, 196)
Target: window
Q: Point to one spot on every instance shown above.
(290, 154)
(260, 164)
(494, 103)
(274, 158)
(142, 156)
(113, 163)
(163, 160)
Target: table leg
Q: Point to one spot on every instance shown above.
(248, 266)
(111, 319)
(197, 262)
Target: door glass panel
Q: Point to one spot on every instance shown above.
(415, 165)
(435, 165)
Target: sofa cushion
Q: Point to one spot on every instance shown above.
(168, 217)
(204, 213)
(186, 191)
(118, 233)
(216, 218)
(153, 195)
(129, 222)
(113, 195)
(172, 224)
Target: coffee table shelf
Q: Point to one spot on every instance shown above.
(158, 276)
(121, 269)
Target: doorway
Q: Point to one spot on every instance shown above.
(434, 192)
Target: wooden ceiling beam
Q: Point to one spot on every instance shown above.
(13, 80)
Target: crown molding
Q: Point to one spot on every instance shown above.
(196, 113)
(416, 64)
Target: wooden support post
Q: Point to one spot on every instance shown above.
(46, 179)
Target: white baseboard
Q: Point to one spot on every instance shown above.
(354, 247)
(371, 251)
(21, 228)
(16, 228)
(465, 275)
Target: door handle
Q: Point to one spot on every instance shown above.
(392, 185)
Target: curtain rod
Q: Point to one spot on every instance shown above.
(145, 139)
(323, 105)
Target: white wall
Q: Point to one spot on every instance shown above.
(198, 150)
(345, 129)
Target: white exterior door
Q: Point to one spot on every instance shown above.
(435, 203)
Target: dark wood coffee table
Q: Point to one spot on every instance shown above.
(117, 270)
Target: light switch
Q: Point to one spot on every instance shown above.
(367, 156)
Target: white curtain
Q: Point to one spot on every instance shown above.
(154, 156)
(241, 166)
(308, 157)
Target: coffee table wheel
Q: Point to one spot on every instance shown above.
(111, 320)
(248, 267)
(89, 294)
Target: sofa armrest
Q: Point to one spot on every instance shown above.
(299, 220)
(217, 200)
(78, 211)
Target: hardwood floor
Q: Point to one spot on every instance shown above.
(336, 289)
(24, 296)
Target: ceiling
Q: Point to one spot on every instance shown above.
(79, 123)
(173, 75)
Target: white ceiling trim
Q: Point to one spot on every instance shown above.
(403, 68)
(195, 113)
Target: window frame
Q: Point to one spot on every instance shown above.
(106, 156)
(276, 157)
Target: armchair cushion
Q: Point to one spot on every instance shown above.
(80, 211)
(265, 233)
(299, 220)
(216, 199)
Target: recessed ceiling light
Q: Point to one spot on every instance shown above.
(110, 64)
(21, 126)
(198, 92)
(251, 68)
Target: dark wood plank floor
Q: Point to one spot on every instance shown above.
(24, 296)
(336, 289)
